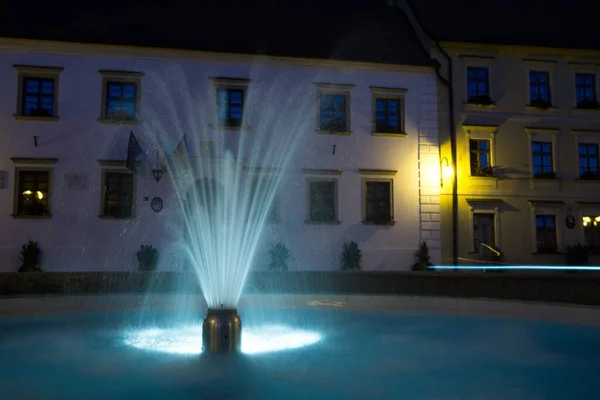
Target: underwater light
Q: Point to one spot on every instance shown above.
(187, 340)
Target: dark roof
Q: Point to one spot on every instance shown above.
(548, 23)
(349, 30)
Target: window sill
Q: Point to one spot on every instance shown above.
(19, 216)
(110, 217)
(229, 128)
(118, 121)
(34, 118)
(384, 134)
(586, 111)
(479, 107)
(549, 110)
(388, 223)
(334, 133)
(310, 222)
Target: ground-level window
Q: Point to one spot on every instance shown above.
(33, 191)
(117, 196)
(378, 201)
(322, 200)
(546, 234)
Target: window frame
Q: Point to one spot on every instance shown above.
(111, 170)
(384, 93)
(37, 72)
(120, 77)
(17, 191)
(546, 208)
(365, 182)
(225, 83)
(334, 89)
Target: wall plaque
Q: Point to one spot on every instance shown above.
(76, 181)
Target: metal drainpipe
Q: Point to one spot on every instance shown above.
(448, 83)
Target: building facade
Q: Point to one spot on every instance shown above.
(366, 167)
(523, 113)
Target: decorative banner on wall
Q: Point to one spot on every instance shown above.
(76, 181)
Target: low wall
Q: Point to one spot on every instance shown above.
(575, 289)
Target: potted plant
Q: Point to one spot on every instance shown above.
(422, 260)
(31, 255)
(351, 256)
(147, 257)
(280, 256)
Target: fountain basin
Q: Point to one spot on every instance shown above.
(366, 347)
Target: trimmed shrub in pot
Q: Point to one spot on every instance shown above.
(280, 256)
(147, 258)
(31, 255)
(351, 256)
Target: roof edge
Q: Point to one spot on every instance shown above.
(131, 51)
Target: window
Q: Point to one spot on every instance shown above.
(539, 89)
(33, 194)
(120, 96)
(334, 108)
(484, 230)
(322, 199)
(585, 91)
(480, 157)
(478, 90)
(117, 194)
(38, 89)
(588, 161)
(387, 115)
(230, 107)
(542, 160)
(546, 238)
(378, 201)
(255, 199)
(591, 232)
(120, 101)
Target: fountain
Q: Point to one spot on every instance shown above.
(226, 193)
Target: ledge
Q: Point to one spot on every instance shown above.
(346, 133)
(309, 222)
(119, 121)
(17, 216)
(392, 135)
(581, 288)
(34, 118)
(41, 161)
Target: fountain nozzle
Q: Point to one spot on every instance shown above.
(221, 331)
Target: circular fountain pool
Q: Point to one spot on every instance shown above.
(300, 347)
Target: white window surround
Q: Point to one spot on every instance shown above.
(543, 135)
(324, 88)
(229, 83)
(477, 61)
(481, 132)
(539, 207)
(389, 93)
(542, 66)
(582, 68)
(484, 206)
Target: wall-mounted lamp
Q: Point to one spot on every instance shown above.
(446, 171)
(157, 172)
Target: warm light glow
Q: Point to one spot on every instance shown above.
(187, 340)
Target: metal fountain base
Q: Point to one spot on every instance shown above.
(221, 331)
